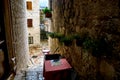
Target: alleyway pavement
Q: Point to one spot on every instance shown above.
(34, 71)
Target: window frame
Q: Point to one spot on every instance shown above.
(30, 22)
(29, 5)
(30, 40)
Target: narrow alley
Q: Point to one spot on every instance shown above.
(82, 40)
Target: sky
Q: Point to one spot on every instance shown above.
(43, 3)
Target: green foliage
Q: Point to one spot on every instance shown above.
(76, 36)
(88, 43)
(67, 40)
(99, 47)
(59, 35)
(51, 34)
(79, 39)
(55, 35)
(46, 10)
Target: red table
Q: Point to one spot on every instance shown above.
(57, 72)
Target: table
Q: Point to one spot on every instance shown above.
(56, 72)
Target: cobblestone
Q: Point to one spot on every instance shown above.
(34, 71)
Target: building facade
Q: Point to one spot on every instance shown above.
(33, 22)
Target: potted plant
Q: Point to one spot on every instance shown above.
(47, 12)
(67, 40)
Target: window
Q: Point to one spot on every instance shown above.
(29, 23)
(29, 5)
(30, 40)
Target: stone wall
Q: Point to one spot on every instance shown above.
(19, 33)
(98, 17)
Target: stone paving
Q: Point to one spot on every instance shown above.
(34, 71)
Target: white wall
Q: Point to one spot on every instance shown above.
(35, 15)
(19, 33)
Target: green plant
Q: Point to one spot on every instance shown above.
(46, 10)
(98, 47)
(55, 35)
(79, 39)
(67, 40)
(51, 34)
(76, 36)
(88, 43)
(58, 35)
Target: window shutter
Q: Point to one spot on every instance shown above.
(29, 5)
(29, 22)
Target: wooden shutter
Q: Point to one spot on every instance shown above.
(29, 22)
(29, 5)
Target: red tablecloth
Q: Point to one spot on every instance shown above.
(57, 72)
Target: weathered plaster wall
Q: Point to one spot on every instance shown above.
(20, 33)
(96, 17)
